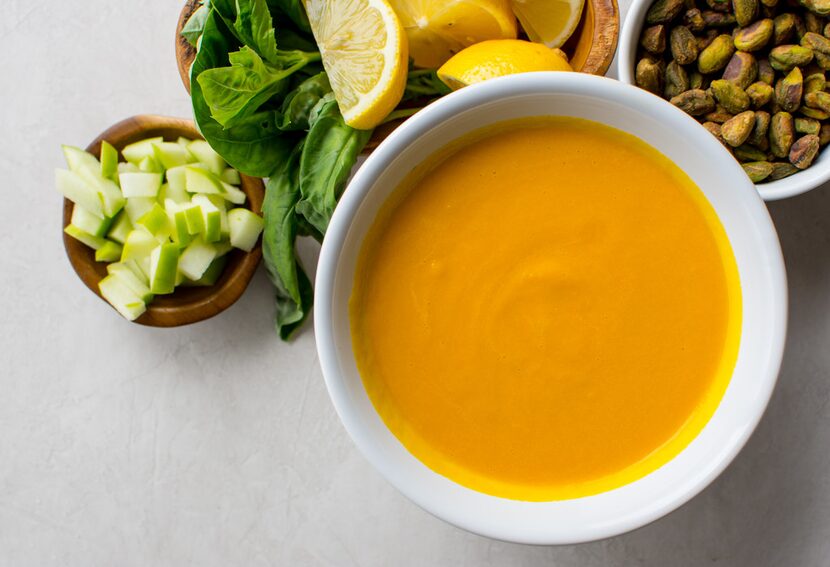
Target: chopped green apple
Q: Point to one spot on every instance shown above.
(175, 191)
(196, 259)
(138, 270)
(136, 152)
(78, 160)
(203, 153)
(111, 196)
(233, 194)
(223, 247)
(139, 244)
(211, 217)
(94, 242)
(245, 228)
(92, 224)
(79, 192)
(137, 207)
(195, 219)
(128, 277)
(211, 275)
(150, 165)
(156, 222)
(182, 141)
(121, 227)
(164, 260)
(127, 167)
(140, 184)
(198, 180)
(109, 252)
(109, 160)
(178, 221)
(230, 175)
(122, 298)
(171, 154)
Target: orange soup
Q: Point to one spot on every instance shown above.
(548, 310)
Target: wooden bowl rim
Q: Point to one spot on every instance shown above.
(232, 282)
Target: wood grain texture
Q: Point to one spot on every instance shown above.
(187, 304)
(591, 48)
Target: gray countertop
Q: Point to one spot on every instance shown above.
(216, 444)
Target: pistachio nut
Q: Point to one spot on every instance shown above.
(698, 81)
(677, 80)
(780, 170)
(719, 115)
(717, 19)
(826, 32)
(718, 5)
(683, 45)
(785, 57)
(804, 151)
(818, 43)
(757, 170)
(758, 137)
(769, 3)
(759, 94)
(745, 11)
(733, 98)
(693, 20)
(807, 126)
(800, 27)
(705, 41)
(822, 60)
(716, 55)
(765, 72)
(741, 70)
(788, 90)
(714, 129)
(653, 39)
(824, 135)
(783, 28)
(748, 153)
(737, 129)
(664, 11)
(814, 23)
(819, 100)
(820, 7)
(695, 102)
(649, 75)
(754, 36)
(781, 134)
(814, 82)
(813, 113)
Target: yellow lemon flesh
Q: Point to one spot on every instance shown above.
(438, 29)
(365, 55)
(548, 21)
(496, 58)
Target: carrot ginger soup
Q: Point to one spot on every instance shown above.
(548, 310)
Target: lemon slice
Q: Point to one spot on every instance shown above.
(365, 55)
(499, 57)
(438, 29)
(548, 21)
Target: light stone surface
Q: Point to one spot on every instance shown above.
(217, 445)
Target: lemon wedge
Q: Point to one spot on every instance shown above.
(548, 21)
(364, 51)
(499, 57)
(437, 29)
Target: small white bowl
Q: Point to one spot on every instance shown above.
(801, 182)
(747, 225)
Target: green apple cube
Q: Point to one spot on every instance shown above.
(79, 192)
(233, 194)
(140, 184)
(109, 160)
(92, 224)
(78, 160)
(164, 260)
(121, 227)
(94, 242)
(245, 228)
(139, 244)
(135, 153)
(196, 259)
(111, 196)
(178, 222)
(128, 277)
(175, 190)
(222, 248)
(156, 222)
(175, 177)
(211, 216)
(136, 268)
(211, 275)
(203, 153)
(127, 303)
(195, 219)
(198, 180)
(150, 165)
(171, 154)
(230, 175)
(109, 252)
(137, 207)
(127, 167)
(182, 141)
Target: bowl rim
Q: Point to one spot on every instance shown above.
(474, 520)
(796, 184)
(214, 299)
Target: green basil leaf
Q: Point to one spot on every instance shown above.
(293, 288)
(255, 28)
(297, 105)
(195, 25)
(330, 151)
(424, 84)
(295, 11)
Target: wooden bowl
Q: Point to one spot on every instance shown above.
(187, 304)
(591, 48)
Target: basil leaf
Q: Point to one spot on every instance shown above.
(195, 25)
(424, 83)
(235, 93)
(255, 29)
(293, 288)
(297, 105)
(295, 11)
(330, 151)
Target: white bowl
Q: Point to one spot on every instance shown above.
(801, 182)
(747, 225)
